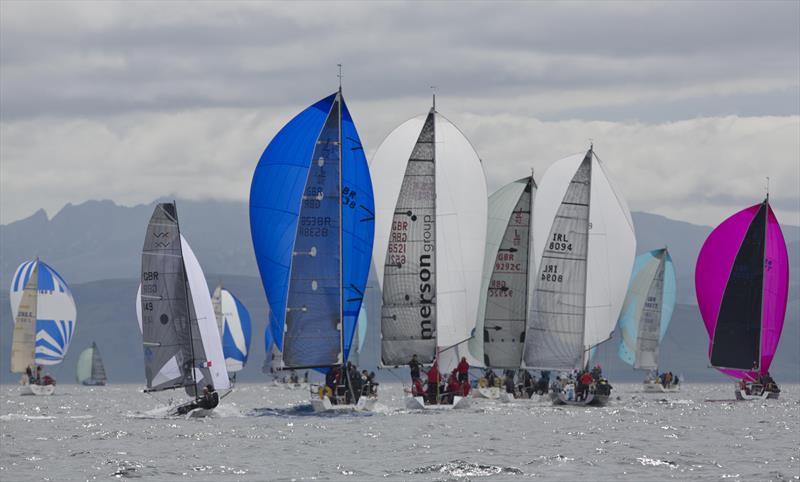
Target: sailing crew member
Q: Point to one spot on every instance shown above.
(584, 381)
(414, 365)
(463, 370)
(509, 382)
(210, 398)
(453, 386)
(433, 381)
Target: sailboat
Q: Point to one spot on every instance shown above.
(503, 307)
(646, 314)
(44, 316)
(182, 346)
(90, 370)
(312, 223)
(742, 284)
(233, 323)
(583, 250)
(430, 229)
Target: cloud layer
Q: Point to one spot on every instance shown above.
(690, 105)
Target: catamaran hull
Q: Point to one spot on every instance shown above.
(323, 405)
(743, 397)
(40, 390)
(658, 388)
(492, 393)
(418, 403)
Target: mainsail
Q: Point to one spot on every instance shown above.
(90, 369)
(23, 342)
(648, 309)
(583, 245)
(233, 322)
(503, 308)
(742, 282)
(312, 223)
(182, 347)
(430, 236)
(55, 311)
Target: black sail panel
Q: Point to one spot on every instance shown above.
(737, 336)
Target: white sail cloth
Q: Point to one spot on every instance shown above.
(608, 260)
(460, 233)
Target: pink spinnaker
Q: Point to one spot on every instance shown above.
(713, 269)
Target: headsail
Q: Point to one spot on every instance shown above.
(648, 309)
(55, 309)
(430, 224)
(90, 367)
(233, 321)
(311, 201)
(503, 308)
(583, 245)
(741, 280)
(23, 343)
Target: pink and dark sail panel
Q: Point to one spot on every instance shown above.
(742, 282)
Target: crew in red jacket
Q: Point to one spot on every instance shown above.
(463, 370)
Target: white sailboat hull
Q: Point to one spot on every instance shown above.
(655, 387)
(492, 393)
(743, 397)
(40, 390)
(418, 403)
(324, 405)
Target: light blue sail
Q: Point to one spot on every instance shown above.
(236, 335)
(55, 310)
(297, 230)
(642, 285)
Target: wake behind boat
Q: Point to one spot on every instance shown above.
(182, 347)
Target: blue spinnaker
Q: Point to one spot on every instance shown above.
(296, 230)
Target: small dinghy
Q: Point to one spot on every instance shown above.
(742, 284)
(90, 370)
(44, 316)
(182, 345)
(653, 386)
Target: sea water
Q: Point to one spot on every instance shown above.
(267, 432)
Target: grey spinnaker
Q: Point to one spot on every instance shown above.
(408, 315)
(555, 334)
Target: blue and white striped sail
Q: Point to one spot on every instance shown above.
(233, 321)
(648, 309)
(312, 223)
(55, 310)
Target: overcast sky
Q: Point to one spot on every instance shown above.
(690, 105)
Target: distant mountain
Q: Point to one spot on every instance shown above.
(96, 246)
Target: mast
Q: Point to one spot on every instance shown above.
(586, 349)
(186, 294)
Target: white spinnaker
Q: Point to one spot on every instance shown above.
(612, 242)
(500, 206)
(231, 316)
(461, 208)
(206, 321)
(212, 343)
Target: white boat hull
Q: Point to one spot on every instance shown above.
(322, 405)
(418, 403)
(491, 393)
(658, 388)
(742, 396)
(40, 390)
